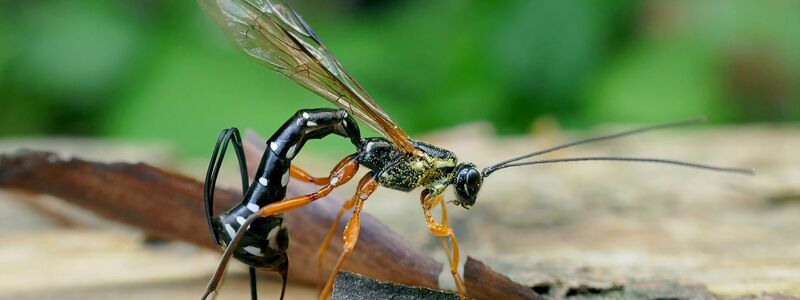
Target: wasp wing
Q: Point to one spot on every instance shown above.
(272, 33)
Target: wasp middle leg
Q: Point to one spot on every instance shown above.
(366, 186)
(326, 242)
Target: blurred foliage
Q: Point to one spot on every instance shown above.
(162, 70)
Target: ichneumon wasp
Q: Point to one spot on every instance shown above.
(272, 33)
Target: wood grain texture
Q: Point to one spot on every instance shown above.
(571, 231)
(476, 275)
(169, 205)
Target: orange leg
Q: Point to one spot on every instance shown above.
(302, 175)
(366, 187)
(324, 246)
(437, 201)
(442, 230)
(341, 174)
(444, 241)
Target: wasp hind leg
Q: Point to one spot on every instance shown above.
(232, 136)
(253, 289)
(341, 174)
(283, 270)
(273, 172)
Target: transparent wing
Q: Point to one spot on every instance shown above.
(274, 34)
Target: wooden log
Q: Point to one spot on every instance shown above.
(169, 205)
(485, 283)
(351, 286)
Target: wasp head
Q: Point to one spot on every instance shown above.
(467, 184)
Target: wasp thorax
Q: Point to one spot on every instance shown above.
(467, 184)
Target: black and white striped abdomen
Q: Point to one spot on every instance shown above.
(264, 243)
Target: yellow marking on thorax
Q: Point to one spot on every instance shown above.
(420, 165)
(433, 177)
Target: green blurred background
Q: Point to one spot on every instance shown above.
(162, 70)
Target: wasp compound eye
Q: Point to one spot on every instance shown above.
(467, 185)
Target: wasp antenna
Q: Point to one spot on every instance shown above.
(742, 171)
(692, 121)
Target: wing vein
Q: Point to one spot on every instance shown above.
(271, 32)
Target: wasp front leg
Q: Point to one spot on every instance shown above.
(442, 230)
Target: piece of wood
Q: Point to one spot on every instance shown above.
(169, 205)
(475, 275)
(349, 286)
(583, 230)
